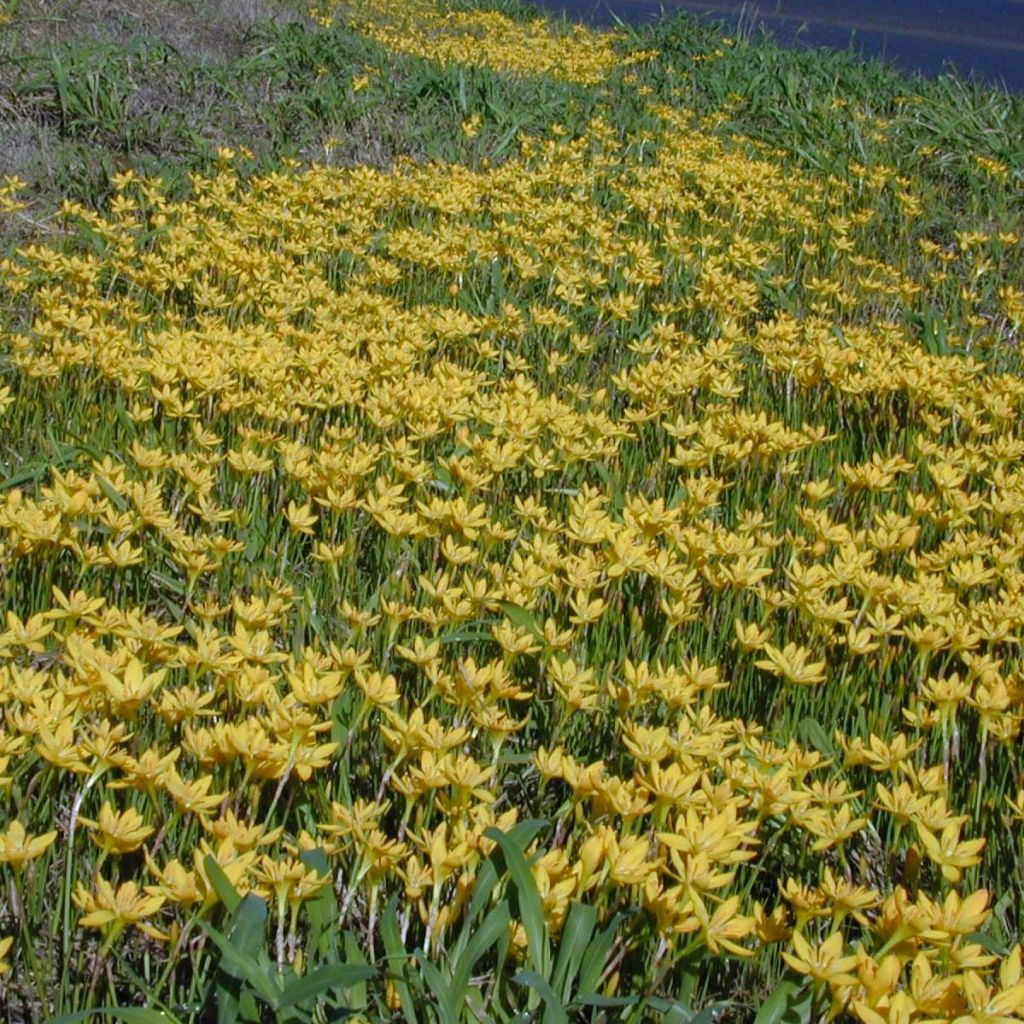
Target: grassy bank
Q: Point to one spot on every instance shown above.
(504, 522)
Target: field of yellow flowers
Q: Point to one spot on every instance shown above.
(583, 585)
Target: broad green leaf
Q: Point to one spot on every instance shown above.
(248, 924)
(113, 495)
(226, 892)
(521, 618)
(443, 479)
(242, 966)
(677, 1012)
(531, 910)
(813, 734)
(987, 942)
(494, 925)
(322, 910)
(487, 877)
(576, 932)
(354, 955)
(397, 958)
(333, 977)
(483, 887)
(713, 1012)
(126, 1014)
(596, 955)
(790, 1003)
(554, 1010)
(439, 986)
(596, 999)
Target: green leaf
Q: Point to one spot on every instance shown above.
(676, 1012)
(325, 979)
(554, 1011)
(487, 877)
(247, 926)
(439, 986)
(987, 942)
(126, 1014)
(466, 636)
(494, 925)
(531, 910)
(226, 892)
(114, 496)
(354, 955)
(813, 734)
(790, 1003)
(397, 958)
(521, 618)
(322, 910)
(483, 887)
(238, 962)
(576, 932)
(596, 955)
(596, 999)
(443, 478)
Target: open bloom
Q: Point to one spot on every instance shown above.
(17, 847)
(111, 911)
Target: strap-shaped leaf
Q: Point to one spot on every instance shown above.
(397, 958)
(226, 892)
(789, 1003)
(579, 926)
(125, 1014)
(596, 955)
(596, 999)
(439, 986)
(494, 925)
(322, 910)
(243, 965)
(333, 977)
(531, 911)
(486, 880)
(676, 1012)
(554, 1011)
(521, 618)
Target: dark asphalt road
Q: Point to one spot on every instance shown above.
(983, 38)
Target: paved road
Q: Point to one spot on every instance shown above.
(983, 37)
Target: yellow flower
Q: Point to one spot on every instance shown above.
(288, 880)
(175, 884)
(990, 1005)
(949, 852)
(301, 517)
(117, 833)
(751, 637)
(194, 796)
(724, 928)
(111, 911)
(128, 691)
(793, 664)
(17, 847)
(823, 963)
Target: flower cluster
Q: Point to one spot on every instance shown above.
(368, 509)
